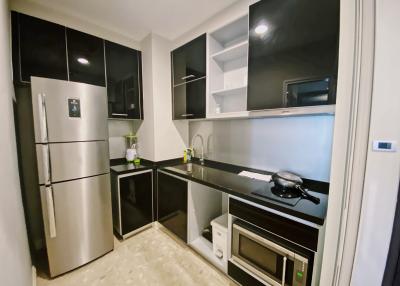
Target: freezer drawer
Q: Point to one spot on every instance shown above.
(68, 161)
(68, 111)
(78, 222)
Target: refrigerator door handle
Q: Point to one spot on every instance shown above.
(51, 212)
(46, 164)
(43, 117)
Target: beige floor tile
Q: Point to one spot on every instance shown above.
(149, 258)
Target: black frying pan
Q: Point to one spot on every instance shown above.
(292, 181)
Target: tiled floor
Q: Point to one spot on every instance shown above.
(148, 258)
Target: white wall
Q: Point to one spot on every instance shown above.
(383, 169)
(298, 144)
(15, 262)
(146, 135)
(160, 138)
(170, 136)
(117, 129)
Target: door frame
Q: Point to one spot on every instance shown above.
(350, 142)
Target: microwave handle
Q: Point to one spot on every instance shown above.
(284, 270)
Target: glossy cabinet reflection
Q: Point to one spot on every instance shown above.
(123, 82)
(38, 48)
(189, 100)
(189, 61)
(293, 53)
(132, 201)
(172, 204)
(189, 79)
(85, 58)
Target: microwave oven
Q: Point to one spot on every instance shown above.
(269, 258)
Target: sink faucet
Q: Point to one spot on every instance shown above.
(202, 147)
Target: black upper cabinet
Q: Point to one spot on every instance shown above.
(189, 100)
(189, 61)
(85, 58)
(172, 204)
(293, 53)
(38, 48)
(124, 90)
(188, 79)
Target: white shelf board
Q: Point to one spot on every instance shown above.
(205, 248)
(279, 112)
(234, 52)
(241, 90)
(228, 115)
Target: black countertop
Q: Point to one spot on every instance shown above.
(128, 168)
(231, 183)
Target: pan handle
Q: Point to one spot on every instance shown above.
(307, 195)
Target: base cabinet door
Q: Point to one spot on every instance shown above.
(172, 204)
(132, 201)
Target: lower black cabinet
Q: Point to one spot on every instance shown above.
(132, 201)
(172, 204)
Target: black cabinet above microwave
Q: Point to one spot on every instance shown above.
(293, 53)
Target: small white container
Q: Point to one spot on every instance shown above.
(220, 236)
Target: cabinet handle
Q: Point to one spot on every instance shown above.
(284, 270)
(188, 76)
(51, 212)
(119, 114)
(43, 117)
(46, 164)
(188, 114)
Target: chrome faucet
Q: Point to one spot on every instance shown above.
(202, 147)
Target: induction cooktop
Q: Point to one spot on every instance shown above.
(285, 196)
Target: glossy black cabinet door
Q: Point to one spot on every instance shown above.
(190, 100)
(189, 61)
(136, 201)
(172, 204)
(293, 49)
(124, 92)
(38, 48)
(85, 58)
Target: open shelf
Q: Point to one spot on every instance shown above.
(227, 69)
(241, 90)
(231, 53)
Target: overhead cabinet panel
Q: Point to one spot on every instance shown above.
(85, 58)
(41, 47)
(293, 53)
(189, 79)
(189, 61)
(124, 82)
(189, 100)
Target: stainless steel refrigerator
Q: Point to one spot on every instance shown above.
(72, 172)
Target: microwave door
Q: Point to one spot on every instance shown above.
(266, 259)
(68, 111)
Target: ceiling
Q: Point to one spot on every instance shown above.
(137, 18)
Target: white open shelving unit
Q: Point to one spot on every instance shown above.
(227, 53)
